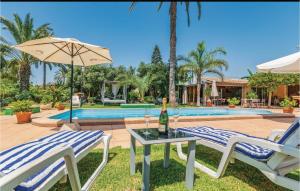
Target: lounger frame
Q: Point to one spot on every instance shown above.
(285, 159)
(10, 181)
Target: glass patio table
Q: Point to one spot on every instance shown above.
(153, 137)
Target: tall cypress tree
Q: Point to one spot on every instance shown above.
(159, 72)
(156, 56)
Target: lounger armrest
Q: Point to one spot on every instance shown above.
(10, 181)
(275, 134)
(285, 149)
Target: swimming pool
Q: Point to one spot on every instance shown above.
(137, 112)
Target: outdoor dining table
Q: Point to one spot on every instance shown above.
(150, 136)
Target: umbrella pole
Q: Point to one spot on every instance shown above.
(71, 92)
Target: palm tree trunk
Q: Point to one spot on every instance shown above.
(198, 89)
(24, 76)
(173, 12)
(44, 75)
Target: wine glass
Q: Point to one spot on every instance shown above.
(147, 120)
(176, 118)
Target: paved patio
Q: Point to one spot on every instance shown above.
(12, 134)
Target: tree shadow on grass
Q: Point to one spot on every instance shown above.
(160, 176)
(240, 170)
(86, 168)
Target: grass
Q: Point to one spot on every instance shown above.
(115, 176)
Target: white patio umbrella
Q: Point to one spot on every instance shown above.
(214, 91)
(286, 64)
(66, 51)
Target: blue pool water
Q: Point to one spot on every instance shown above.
(137, 112)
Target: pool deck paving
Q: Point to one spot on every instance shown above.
(12, 134)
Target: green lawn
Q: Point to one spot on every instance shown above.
(116, 177)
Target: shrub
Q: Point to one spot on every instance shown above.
(91, 99)
(133, 96)
(46, 99)
(251, 95)
(58, 93)
(37, 93)
(288, 103)
(149, 99)
(8, 90)
(24, 95)
(21, 106)
(6, 101)
(233, 101)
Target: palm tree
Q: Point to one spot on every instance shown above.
(142, 84)
(60, 76)
(50, 66)
(22, 31)
(201, 62)
(8, 67)
(250, 73)
(172, 60)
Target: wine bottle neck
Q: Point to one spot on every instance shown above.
(164, 107)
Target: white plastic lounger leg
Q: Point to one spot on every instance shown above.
(282, 181)
(105, 139)
(222, 166)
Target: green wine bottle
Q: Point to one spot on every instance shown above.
(164, 118)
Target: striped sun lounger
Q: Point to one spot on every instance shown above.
(18, 157)
(274, 158)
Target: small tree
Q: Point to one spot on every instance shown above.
(270, 81)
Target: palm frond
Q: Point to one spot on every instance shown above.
(187, 11)
(183, 58)
(217, 63)
(216, 72)
(199, 10)
(191, 66)
(19, 23)
(12, 29)
(27, 28)
(219, 50)
(132, 6)
(160, 5)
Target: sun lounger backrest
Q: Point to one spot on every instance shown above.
(292, 138)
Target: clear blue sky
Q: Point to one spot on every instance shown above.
(252, 32)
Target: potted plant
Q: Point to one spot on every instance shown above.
(91, 100)
(288, 105)
(46, 102)
(59, 106)
(22, 108)
(233, 102)
(208, 103)
(207, 93)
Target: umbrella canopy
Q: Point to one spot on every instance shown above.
(66, 51)
(214, 90)
(287, 64)
(62, 50)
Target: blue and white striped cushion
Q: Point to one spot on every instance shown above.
(221, 137)
(21, 155)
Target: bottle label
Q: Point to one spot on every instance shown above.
(162, 128)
